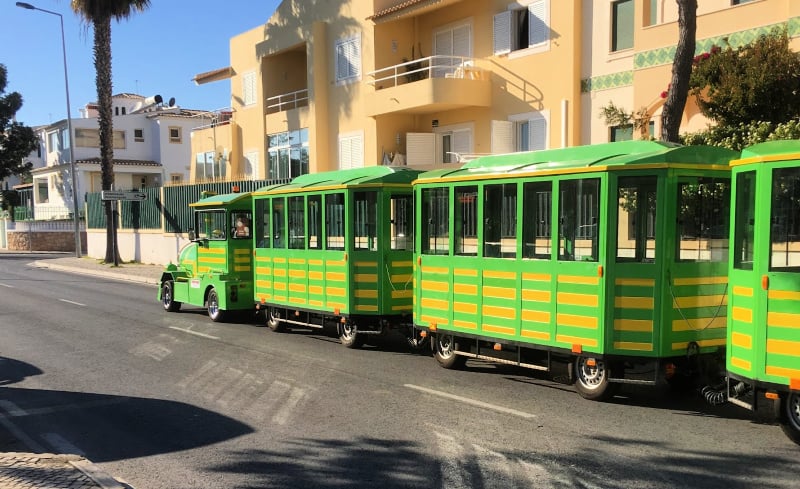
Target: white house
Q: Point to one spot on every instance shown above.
(152, 145)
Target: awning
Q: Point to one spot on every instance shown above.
(214, 75)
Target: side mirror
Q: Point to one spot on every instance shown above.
(192, 235)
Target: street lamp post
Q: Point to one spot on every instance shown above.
(75, 217)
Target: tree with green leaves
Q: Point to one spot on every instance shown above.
(759, 81)
(16, 140)
(98, 14)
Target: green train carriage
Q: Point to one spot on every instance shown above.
(763, 354)
(335, 248)
(610, 259)
(215, 269)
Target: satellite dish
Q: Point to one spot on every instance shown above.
(171, 102)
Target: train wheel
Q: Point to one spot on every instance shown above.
(591, 379)
(416, 342)
(214, 312)
(790, 421)
(349, 335)
(445, 352)
(274, 320)
(168, 297)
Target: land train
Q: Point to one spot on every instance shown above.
(611, 262)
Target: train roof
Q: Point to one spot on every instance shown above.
(770, 151)
(590, 158)
(370, 175)
(221, 200)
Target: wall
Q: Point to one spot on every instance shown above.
(152, 247)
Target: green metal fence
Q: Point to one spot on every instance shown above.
(169, 205)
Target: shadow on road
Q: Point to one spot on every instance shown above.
(13, 371)
(109, 427)
(387, 464)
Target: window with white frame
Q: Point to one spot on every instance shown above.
(451, 44)
(287, 154)
(348, 59)
(249, 88)
(351, 150)
(453, 143)
(251, 164)
(175, 134)
(524, 25)
(90, 138)
(522, 132)
(138, 135)
(52, 142)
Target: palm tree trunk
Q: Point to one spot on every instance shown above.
(102, 65)
(681, 71)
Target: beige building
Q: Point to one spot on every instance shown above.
(324, 85)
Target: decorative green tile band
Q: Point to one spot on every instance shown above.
(666, 55)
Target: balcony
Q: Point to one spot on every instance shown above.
(428, 85)
(287, 101)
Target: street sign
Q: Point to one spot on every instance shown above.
(121, 195)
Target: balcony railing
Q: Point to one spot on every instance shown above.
(287, 101)
(213, 118)
(431, 67)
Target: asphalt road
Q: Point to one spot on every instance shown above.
(172, 400)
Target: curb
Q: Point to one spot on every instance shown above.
(97, 273)
(77, 462)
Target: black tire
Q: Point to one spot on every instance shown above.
(348, 335)
(592, 381)
(416, 342)
(214, 312)
(274, 320)
(444, 351)
(790, 419)
(168, 297)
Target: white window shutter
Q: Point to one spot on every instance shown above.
(420, 148)
(502, 33)
(462, 142)
(462, 41)
(354, 57)
(348, 58)
(357, 152)
(345, 154)
(537, 128)
(502, 137)
(538, 30)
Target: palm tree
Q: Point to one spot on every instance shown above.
(99, 13)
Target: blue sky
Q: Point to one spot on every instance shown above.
(154, 52)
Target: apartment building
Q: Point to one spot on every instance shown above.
(151, 146)
(323, 85)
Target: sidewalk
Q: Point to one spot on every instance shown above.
(63, 471)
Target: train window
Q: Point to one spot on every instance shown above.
(279, 223)
(240, 224)
(703, 216)
(536, 231)
(785, 220)
(402, 223)
(435, 219)
(500, 221)
(211, 225)
(465, 221)
(297, 223)
(578, 219)
(262, 224)
(314, 222)
(744, 227)
(636, 219)
(365, 230)
(334, 221)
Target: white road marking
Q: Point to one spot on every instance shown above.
(72, 302)
(62, 445)
(282, 416)
(196, 333)
(14, 410)
(473, 402)
(451, 453)
(6, 285)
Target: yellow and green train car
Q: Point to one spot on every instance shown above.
(215, 269)
(763, 354)
(610, 259)
(336, 248)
